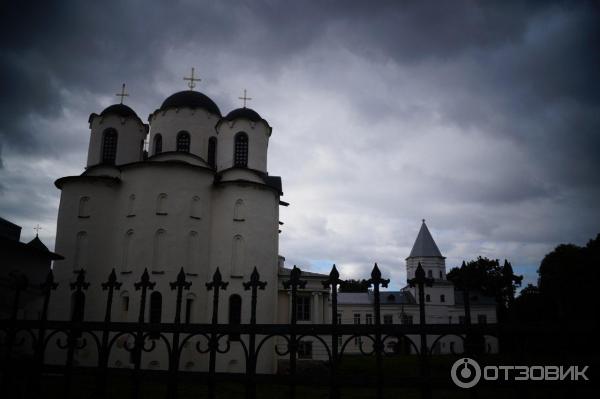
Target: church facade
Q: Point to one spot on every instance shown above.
(199, 198)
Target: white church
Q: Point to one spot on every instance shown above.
(200, 197)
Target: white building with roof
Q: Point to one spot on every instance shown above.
(443, 302)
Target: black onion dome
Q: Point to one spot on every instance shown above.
(190, 99)
(246, 113)
(119, 109)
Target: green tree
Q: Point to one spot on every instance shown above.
(491, 279)
(354, 286)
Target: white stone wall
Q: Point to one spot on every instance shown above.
(258, 142)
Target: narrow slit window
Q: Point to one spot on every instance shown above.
(158, 144)
(109, 146)
(183, 142)
(241, 150)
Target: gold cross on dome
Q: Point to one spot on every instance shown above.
(244, 98)
(37, 229)
(122, 94)
(192, 80)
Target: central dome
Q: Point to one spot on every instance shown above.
(190, 99)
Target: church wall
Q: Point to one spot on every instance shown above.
(241, 241)
(435, 264)
(197, 122)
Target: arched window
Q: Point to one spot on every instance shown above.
(124, 303)
(196, 208)
(235, 314)
(429, 274)
(240, 153)
(81, 255)
(193, 255)
(160, 251)
(237, 256)
(131, 205)
(157, 144)
(238, 210)
(427, 298)
(212, 152)
(161, 204)
(442, 298)
(77, 306)
(84, 207)
(189, 308)
(155, 310)
(109, 146)
(183, 141)
(127, 255)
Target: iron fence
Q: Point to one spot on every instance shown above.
(75, 334)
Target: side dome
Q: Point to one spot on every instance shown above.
(245, 113)
(190, 99)
(119, 109)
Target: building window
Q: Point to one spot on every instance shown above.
(160, 250)
(155, 311)
(127, 255)
(238, 210)
(125, 302)
(440, 274)
(391, 298)
(442, 298)
(189, 308)
(369, 318)
(481, 319)
(81, 248)
(237, 256)
(461, 319)
(131, 206)
(109, 146)
(195, 208)
(388, 319)
(240, 154)
(452, 350)
(407, 319)
(212, 152)
(193, 252)
(429, 274)
(303, 308)
(235, 314)
(427, 298)
(356, 318)
(157, 144)
(183, 141)
(304, 350)
(339, 318)
(161, 204)
(84, 207)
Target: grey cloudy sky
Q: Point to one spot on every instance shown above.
(482, 117)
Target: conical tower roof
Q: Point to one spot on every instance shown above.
(424, 245)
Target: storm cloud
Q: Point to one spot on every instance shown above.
(481, 117)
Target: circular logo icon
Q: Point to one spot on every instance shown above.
(465, 373)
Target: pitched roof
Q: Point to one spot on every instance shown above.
(424, 244)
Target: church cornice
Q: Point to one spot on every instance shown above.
(108, 180)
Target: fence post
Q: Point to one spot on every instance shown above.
(144, 284)
(376, 281)
(46, 288)
(180, 284)
(420, 281)
(77, 316)
(293, 283)
(19, 283)
(110, 285)
(333, 281)
(216, 284)
(254, 284)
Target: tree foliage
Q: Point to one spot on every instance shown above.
(354, 286)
